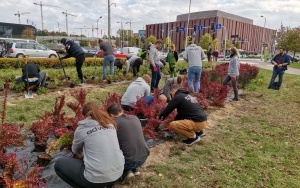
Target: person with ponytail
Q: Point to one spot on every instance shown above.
(103, 161)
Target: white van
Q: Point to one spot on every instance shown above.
(131, 50)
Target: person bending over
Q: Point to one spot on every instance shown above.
(103, 161)
(131, 140)
(190, 119)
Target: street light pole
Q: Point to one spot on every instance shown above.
(130, 22)
(225, 38)
(97, 25)
(108, 32)
(187, 25)
(121, 33)
(263, 38)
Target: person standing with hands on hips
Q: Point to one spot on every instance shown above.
(154, 66)
(280, 62)
(233, 72)
(74, 50)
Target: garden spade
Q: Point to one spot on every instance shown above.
(66, 77)
(27, 93)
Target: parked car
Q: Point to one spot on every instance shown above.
(59, 48)
(20, 49)
(116, 54)
(293, 59)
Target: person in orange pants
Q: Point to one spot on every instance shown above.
(190, 120)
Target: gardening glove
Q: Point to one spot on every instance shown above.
(154, 68)
(168, 129)
(233, 78)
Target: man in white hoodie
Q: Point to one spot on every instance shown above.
(194, 55)
(138, 89)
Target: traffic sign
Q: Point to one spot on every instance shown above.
(200, 27)
(181, 29)
(218, 26)
(194, 33)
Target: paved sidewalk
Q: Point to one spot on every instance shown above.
(268, 65)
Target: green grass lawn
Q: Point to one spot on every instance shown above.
(295, 65)
(250, 143)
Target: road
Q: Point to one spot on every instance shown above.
(268, 65)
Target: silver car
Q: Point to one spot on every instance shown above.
(19, 49)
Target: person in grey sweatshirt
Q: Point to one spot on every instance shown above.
(194, 55)
(154, 64)
(103, 161)
(137, 89)
(233, 72)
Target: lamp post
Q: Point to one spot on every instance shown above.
(187, 25)
(97, 25)
(121, 41)
(263, 38)
(130, 22)
(108, 32)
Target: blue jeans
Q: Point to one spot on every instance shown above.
(194, 74)
(279, 72)
(155, 77)
(133, 165)
(108, 60)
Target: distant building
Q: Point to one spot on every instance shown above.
(238, 28)
(11, 30)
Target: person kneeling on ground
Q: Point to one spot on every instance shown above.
(135, 62)
(190, 119)
(103, 161)
(34, 74)
(165, 92)
(138, 89)
(131, 140)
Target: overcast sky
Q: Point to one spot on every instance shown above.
(142, 12)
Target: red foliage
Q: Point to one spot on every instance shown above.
(57, 115)
(247, 73)
(111, 98)
(42, 127)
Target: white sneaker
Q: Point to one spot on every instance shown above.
(81, 84)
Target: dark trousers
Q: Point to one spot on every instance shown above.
(279, 72)
(234, 85)
(155, 77)
(79, 62)
(40, 82)
(136, 66)
(71, 171)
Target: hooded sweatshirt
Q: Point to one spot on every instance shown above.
(187, 107)
(137, 89)
(154, 55)
(103, 159)
(194, 55)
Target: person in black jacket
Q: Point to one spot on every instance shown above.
(34, 74)
(190, 119)
(74, 50)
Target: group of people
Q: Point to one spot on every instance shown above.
(111, 144)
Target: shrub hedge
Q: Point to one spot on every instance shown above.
(49, 62)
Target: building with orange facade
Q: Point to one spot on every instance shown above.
(233, 27)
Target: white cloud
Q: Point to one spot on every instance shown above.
(142, 12)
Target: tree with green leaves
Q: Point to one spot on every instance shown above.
(151, 39)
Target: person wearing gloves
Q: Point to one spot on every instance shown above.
(194, 55)
(74, 50)
(154, 64)
(135, 62)
(190, 120)
(136, 90)
(233, 72)
(164, 95)
(103, 161)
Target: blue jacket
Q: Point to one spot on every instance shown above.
(285, 59)
(73, 49)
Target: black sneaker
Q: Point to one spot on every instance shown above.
(201, 133)
(126, 177)
(191, 141)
